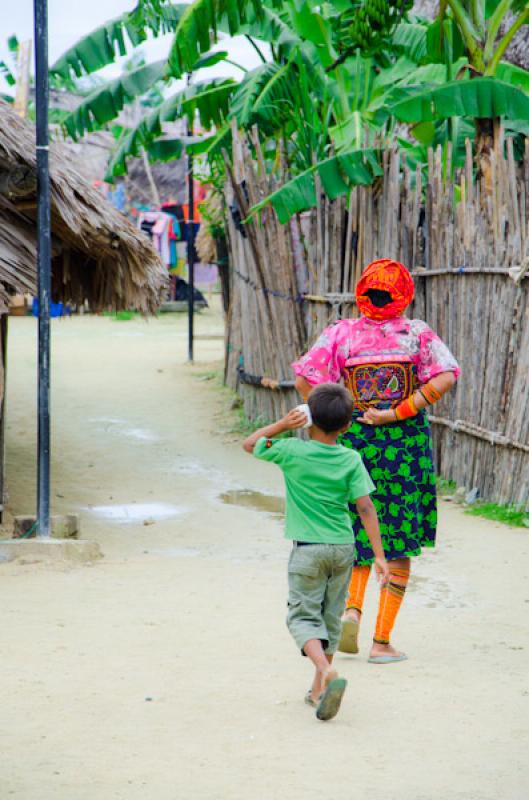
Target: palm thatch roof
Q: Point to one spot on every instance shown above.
(97, 254)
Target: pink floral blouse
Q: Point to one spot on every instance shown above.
(381, 362)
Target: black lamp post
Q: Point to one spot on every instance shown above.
(44, 266)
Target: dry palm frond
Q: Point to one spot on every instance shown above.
(98, 255)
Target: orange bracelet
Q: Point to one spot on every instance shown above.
(406, 409)
(430, 393)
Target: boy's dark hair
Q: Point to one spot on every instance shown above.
(331, 407)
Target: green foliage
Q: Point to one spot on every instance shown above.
(366, 26)
(121, 316)
(478, 98)
(411, 40)
(444, 41)
(312, 27)
(210, 59)
(515, 76)
(445, 486)
(342, 74)
(517, 516)
(105, 103)
(337, 175)
(200, 21)
(209, 98)
(103, 45)
(265, 97)
(5, 70)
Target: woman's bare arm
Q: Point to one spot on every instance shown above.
(442, 383)
(303, 387)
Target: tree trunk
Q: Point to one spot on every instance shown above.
(484, 148)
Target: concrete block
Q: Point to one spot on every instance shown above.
(51, 551)
(63, 526)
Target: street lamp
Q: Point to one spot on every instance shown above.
(44, 266)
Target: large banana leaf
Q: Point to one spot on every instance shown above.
(211, 145)
(516, 76)
(200, 21)
(311, 26)
(165, 149)
(425, 43)
(264, 97)
(270, 25)
(405, 73)
(477, 98)
(103, 45)
(106, 102)
(209, 98)
(411, 39)
(337, 174)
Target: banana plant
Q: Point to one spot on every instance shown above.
(209, 99)
(106, 102)
(337, 174)
(329, 80)
(486, 88)
(116, 37)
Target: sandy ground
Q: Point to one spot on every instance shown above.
(165, 671)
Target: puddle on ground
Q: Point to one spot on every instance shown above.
(138, 512)
(269, 503)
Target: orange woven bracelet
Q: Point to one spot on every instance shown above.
(430, 393)
(406, 409)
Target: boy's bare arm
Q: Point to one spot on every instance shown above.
(294, 419)
(368, 515)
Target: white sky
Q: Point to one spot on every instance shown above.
(70, 20)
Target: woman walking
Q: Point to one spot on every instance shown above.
(394, 367)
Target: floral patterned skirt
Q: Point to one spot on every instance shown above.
(398, 457)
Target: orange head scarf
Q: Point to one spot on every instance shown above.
(389, 276)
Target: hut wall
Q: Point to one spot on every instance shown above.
(468, 250)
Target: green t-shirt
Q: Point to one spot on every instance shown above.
(320, 480)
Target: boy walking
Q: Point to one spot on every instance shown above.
(321, 479)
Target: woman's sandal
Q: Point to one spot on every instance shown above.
(349, 636)
(389, 659)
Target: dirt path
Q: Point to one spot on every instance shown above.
(165, 671)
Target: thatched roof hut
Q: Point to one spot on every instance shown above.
(97, 254)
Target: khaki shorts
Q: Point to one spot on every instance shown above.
(318, 577)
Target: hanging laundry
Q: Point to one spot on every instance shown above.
(158, 226)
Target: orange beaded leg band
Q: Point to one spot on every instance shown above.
(430, 393)
(406, 409)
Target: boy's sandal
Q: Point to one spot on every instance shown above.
(349, 636)
(331, 699)
(308, 699)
